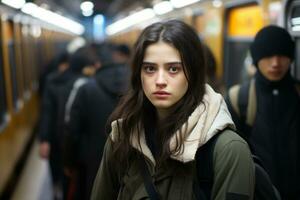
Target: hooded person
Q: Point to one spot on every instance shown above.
(267, 110)
(94, 102)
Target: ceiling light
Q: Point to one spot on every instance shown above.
(296, 28)
(53, 18)
(129, 21)
(163, 7)
(14, 3)
(86, 6)
(296, 21)
(98, 27)
(87, 13)
(217, 3)
(182, 3)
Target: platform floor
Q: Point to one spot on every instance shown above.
(35, 181)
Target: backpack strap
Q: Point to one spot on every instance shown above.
(243, 101)
(150, 187)
(204, 168)
(233, 98)
(77, 84)
(247, 102)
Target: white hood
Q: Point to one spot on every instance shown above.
(208, 118)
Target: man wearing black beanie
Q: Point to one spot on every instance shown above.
(271, 124)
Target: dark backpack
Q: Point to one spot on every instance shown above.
(264, 189)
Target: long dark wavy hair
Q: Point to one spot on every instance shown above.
(137, 112)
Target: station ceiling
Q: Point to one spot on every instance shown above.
(109, 8)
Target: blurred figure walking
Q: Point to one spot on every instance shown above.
(94, 102)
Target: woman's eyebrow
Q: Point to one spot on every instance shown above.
(148, 63)
(174, 63)
(168, 63)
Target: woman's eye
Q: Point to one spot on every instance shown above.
(149, 69)
(173, 69)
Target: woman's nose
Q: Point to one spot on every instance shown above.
(161, 79)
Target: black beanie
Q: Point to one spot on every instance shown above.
(272, 40)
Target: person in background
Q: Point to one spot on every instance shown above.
(121, 54)
(56, 65)
(51, 129)
(211, 71)
(49, 136)
(92, 106)
(167, 114)
(269, 117)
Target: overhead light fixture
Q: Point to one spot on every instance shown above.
(98, 27)
(53, 18)
(296, 28)
(86, 6)
(182, 3)
(14, 3)
(129, 21)
(296, 24)
(296, 21)
(217, 3)
(162, 7)
(87, 13)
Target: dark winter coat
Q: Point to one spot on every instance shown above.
(86, 136)
(274, 135)
(52, 108)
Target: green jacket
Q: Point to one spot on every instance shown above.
(232, 161)
(233, 166)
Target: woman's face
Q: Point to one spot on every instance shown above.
(162, 75)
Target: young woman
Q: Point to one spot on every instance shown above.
(160, 124)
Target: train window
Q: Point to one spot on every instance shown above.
(2, 90)
(13, 72)
(25, 61)
(12, 66)
(242, 24)
(293, 22)
(18, 56)
(295, 18)
(3, 103)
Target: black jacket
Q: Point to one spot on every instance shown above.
(274, 135)
(52, 109)
(86, 135)
(53, 105)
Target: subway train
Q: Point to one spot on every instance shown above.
(27, 44)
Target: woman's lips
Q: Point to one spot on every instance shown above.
(161, 94)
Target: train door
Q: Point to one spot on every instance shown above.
(241, 25)
(292, 23)
(10, 44)
(3, 105)
(25, 59)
